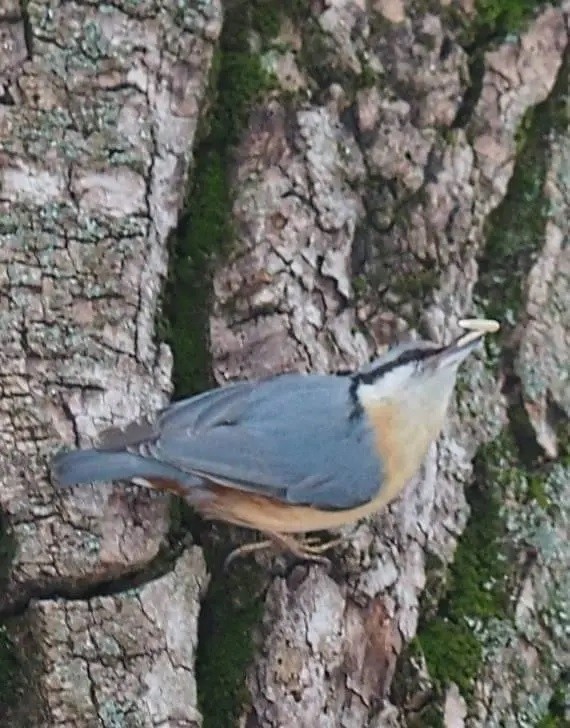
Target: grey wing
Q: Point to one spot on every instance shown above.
(290, 438)
(214, 407)
(200, 411)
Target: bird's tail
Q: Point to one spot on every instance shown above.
(101, 466)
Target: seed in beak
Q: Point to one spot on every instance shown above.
(487, 326)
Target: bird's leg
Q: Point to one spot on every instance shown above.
(314, 545)
(245, 549)
(308, 546)
(300, 548)
(306, 549)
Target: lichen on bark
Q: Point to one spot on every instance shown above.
(99, 106)
(513, 466)
(515, 230)
(325, 157)
(375, 189)
(238, 80)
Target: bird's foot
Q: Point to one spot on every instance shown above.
(247, 548)
(307, 549)
(313, 545)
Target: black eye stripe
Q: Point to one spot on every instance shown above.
(412, 355)
(405, 358)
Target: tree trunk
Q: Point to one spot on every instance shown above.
(99, 107)
(382, 170)
(403, 183)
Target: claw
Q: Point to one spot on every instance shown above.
(248, 548)
(308, 549)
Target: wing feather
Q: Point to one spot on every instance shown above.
(208, 409)
(289, 437)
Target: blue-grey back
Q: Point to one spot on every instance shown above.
(294, 437)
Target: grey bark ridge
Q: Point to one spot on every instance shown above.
(99, 104)
(308, 184)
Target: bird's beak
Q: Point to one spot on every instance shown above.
(460, 349)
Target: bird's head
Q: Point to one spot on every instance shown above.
(419, 374)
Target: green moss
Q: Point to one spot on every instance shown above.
(515, 230)
(436, 587)
(475, 591)
(320, 60)
(537, 492)
(552, 721)
(549, 721)
(205, 230)
(520, 427)
(510, 468)
(486, 567)
(409, 688)
(452, 652)
(316, 56)
(232, 609)
(11, 677)
(10, 673)
(557, 707)
(416, 286)
(505, 16)
(203, 234)
(7, 550)
(368, 76)
(431, 715)
(477, 574)
(493, 21)
(20, 701)
(473, 91)
(266, 18)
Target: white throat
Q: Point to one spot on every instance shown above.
(415, 395)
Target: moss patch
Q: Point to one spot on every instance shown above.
(452, 652)
(231, 607)
(204, 232)
(230, 611)
(557, 707)
(20, 701)
(515, 230)
(229, 614)
(9, 673)
(11, 677)
(492, 21)
(7, 550)
(266, 16)
(463, 605)
(502, 17)
(475, 590)
(487, 567)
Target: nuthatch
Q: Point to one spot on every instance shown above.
(292, 453)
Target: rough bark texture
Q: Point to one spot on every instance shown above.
(98, 109)
(390, 169)
(377, 193)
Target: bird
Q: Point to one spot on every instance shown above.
(292, 453)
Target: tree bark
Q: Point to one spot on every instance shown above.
(393, 167)
(407, 168)
(99, 107)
